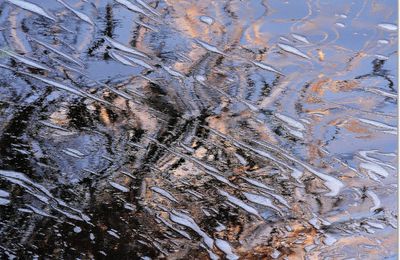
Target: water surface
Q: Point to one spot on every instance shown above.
(190, 129)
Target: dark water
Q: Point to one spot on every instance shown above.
(198, 129)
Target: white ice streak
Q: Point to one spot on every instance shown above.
(371, 167)
(225, 247)
(209, 47)
(130, 61)
(206, 19)
(27, 61)
(123, 47)
(32, 8)
(388, 27)
(292, 50)
(149, 8)
(239, 203)
(119, 186)
(187, 221)
(80, 15)
(375, 199)
(33, 188)
(261, 200)
(131, 6)
(266, 67)
(386, 128)
(164, 193)
(257, 183)
(299, 127)
(300, 38)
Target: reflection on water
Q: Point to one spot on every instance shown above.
(133, 129)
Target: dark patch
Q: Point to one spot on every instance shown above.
(80, 116)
